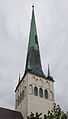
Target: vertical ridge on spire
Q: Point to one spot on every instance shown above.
(33, 62)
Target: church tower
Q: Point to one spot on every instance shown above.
(35, 91)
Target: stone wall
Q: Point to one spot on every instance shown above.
(30, 102)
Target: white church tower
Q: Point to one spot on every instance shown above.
(35, 91)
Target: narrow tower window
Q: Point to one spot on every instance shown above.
(47, 85)
(51, 95)
(22, 94)
(30, 89)
(20, 97)
(16, 103)
(35, 91)
(46, 94)
(41, 92)
(18, 100)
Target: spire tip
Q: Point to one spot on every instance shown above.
(33, 6)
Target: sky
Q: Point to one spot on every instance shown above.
(52, 27)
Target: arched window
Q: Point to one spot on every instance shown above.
(16, 103)
(35, 91)
(41, 92)
(40, 83)
(22, 94)
(47, 85)
(30, 89)
(25, 91)
(46, 94)
(51, 95)
(18, 99)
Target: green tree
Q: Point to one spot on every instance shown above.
(32, 116)
(55, 113)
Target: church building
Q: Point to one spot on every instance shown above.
(35, 91)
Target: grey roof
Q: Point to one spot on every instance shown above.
(9, 114)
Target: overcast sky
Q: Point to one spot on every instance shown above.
(52, 27)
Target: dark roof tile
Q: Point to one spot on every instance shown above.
(9, 114)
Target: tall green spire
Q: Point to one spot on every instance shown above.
(33, 33)
(33, 62)
(48, 70)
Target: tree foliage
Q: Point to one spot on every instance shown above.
(37, 116)
(55, 113)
